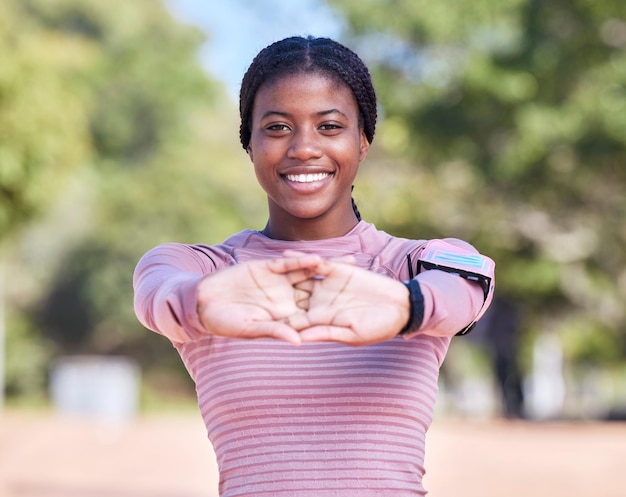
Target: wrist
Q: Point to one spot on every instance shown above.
(416, 307)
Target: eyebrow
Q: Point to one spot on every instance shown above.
(287, 114)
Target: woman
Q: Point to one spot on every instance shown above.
(315, 343)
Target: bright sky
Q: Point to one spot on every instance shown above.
(238, 29)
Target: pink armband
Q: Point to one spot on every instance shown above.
(467, 264)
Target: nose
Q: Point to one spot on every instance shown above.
(304, 146)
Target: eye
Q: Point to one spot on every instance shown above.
(277, 127)
(276, 130)
(330, 127)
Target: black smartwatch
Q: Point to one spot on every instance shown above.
(416, 311)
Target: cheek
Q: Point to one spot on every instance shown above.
(260, 177)
(262, 172)
(265, 156)
(260, 158)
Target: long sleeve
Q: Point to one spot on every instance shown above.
(165, 282)
(450, 303)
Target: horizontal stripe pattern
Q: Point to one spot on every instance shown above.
(320, 419)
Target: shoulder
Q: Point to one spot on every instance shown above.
(388, 252)
(184, 257)
(202, 250)
(395, 254)
(378, 241)
(241, 239)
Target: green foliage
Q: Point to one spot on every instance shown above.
(200, 193)
(26, 363)
(43, 114)
(511, 118)
(155, 159)
(145, 78)
(84, 83)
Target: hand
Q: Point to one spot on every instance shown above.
(304, 289)
(351, 305)
(256, 299)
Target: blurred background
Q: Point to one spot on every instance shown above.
(502, 122)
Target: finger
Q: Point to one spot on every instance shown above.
(278, 330)
(326, 267)
(302, 298)
(287, 264)
(306, 285)
(289, 335)
(329, 333)
(302, 278)
(298, 321)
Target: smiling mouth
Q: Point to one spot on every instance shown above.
(307, 178)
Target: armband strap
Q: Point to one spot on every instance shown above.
(467, 264)
(416, 312)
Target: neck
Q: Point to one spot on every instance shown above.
(307, 229)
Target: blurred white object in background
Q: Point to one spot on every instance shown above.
(545, 392)
(105, 388)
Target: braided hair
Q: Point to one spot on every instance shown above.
(296, 55)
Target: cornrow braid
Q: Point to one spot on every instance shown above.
(355, 208)
(298, 54)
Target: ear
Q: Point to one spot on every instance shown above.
(249, 150)
(364, 145)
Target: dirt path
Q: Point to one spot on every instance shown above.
(169, 456)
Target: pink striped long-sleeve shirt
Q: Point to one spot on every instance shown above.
(322, 419)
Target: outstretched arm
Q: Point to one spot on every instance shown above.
(180, 294)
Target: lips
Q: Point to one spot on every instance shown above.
(307, 178)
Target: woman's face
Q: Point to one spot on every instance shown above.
(306, 146)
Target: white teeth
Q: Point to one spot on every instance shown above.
(307, 178)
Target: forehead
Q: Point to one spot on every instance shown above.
(304, 89)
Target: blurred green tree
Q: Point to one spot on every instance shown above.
(148, 144)
(43, 114)
(507, 122)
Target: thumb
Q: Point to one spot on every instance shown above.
(299, 321)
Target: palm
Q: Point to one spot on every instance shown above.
(254, 299)
(353, 305)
